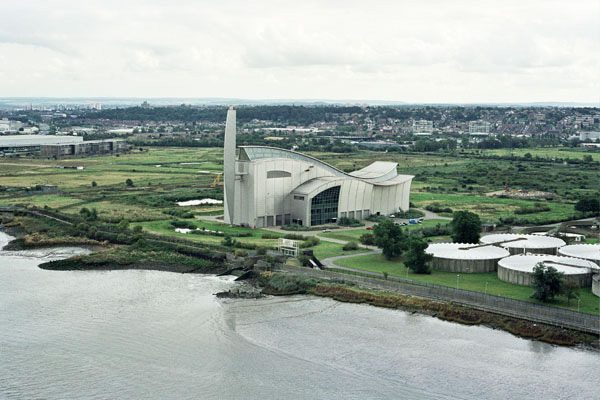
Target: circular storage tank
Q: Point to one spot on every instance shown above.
(465, 258)
(518, 269)
(519, 244)
(596, 285)
(590, 252)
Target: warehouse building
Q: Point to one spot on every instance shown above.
(90, 147)
(20, 143)
(268, 186)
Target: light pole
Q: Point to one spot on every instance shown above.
(457, 281)
(485, 288)
(578, 301)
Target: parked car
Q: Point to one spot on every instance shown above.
(369, 228)
(412, 221)
(403, 224)
(326, 230)
(392, 216)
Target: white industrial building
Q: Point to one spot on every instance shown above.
(422, 127)
(465, 257)
(517, 244)
(518, 269)
(33, 142)
(268, 186)
(479, 128)
(584, 136)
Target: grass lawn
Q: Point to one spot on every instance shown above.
(164, 228)
(352, 235)
(474, 282)
(328, 249)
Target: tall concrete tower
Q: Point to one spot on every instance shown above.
(229, 165)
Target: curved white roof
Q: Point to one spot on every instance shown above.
(464, 251)
(524, 241)
(312, 184)
(567, 265)
(378, 170)
(587, 251)
(378, 173)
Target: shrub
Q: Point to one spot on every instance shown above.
(437, 207)
(242, 245)
(376, 218)
(367, 239)
(123, 225)
(304, 260)
(310, 242)
(241, 253)
(350, 246)
(345, 221)
(122, 238)
(182, 224)
(410, 214)
(269, 236)
(261, 251)
(129, 182)
(286, 283)
(294, 236)
(228, 241)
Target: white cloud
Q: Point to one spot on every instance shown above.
(421, 51)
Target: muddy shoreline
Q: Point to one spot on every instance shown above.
(442, 310)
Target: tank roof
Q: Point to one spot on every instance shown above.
(567, 265)
(465, 251)
(513, 240)
(586, 251)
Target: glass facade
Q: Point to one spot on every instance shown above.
(324, 206)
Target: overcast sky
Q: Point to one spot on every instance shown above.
(414, 51)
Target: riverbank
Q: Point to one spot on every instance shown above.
(27, 233)
(283, 284)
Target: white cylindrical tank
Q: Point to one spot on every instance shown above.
(596, 285)
(590, 252)
(465, 258)
(518, 269)
(519, 244)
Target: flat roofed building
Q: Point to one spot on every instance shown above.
(422, 127)
(479, 128)
(268, 186)
(89, 147)
(30, 142)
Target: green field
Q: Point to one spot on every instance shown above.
(549, 153)
(352, 235)
(474, 282)
(162, 176)
(494, 208)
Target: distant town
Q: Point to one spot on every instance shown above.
(339, 128)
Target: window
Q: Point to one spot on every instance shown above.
(299, 198)
(324, 206)
(278, 174)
